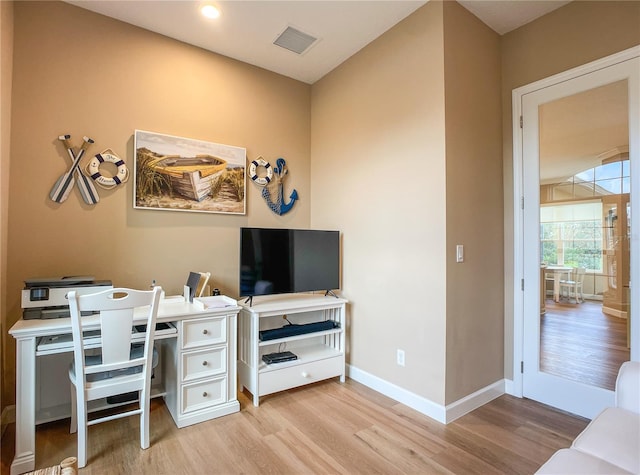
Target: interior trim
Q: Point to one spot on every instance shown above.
(442, 414)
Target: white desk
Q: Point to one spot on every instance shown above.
(191, 396)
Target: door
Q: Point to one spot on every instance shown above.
(567, 216)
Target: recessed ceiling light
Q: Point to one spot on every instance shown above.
(209, 10)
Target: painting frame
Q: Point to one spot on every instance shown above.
(173, 173)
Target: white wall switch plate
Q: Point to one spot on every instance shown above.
(459, 253)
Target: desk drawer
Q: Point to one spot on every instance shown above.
(204, 394)
(298, 375)
(204, 363)
(204, 331)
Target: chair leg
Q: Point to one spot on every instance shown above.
(82, 436)
(144, 419)
(74, 409)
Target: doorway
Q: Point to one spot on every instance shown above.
(574, 233)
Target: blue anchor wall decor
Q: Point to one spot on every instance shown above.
(278, 205)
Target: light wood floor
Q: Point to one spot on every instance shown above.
(580, 343)
(324, 428)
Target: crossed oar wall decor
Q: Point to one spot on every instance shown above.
(63, 186)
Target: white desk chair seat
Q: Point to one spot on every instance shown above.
(120, 368)
(137, 351)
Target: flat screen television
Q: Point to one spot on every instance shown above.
(281, 261)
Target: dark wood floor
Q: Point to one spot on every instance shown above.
(580, 343)
(324, 428)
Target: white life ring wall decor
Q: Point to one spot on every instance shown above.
(107, 182)
(253, 171)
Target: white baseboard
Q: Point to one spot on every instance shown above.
(418, 403)
(8, 417)
(614, 312)
(474, 400)
(440, 413)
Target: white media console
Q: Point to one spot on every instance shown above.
(320, 355)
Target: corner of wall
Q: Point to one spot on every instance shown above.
(474, 198)
(6, 73)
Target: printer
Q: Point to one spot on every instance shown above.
(47, 297)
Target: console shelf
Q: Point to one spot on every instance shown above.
(321, 354)
(303, 336)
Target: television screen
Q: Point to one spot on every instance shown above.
(280, 261)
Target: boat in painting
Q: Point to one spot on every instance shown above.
(191, 177)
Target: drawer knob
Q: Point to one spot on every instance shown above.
(204, 363)
(305, 374)
(205, 331)
(204, 394)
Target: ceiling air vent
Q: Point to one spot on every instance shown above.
(294, 40)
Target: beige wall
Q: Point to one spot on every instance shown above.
(473, 203)
(412, 168)
(81, 73)
(378, 175)
(575, 34)
(6, 61)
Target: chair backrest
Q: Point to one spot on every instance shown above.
(116, 311)
(576, 274)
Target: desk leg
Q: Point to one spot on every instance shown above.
(556, 287)
(25, 457)
(255, 358)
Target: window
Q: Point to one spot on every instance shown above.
(607, 179)
(571, 222)
(612, 178)
(571, 235)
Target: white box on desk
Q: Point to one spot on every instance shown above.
(214, 302)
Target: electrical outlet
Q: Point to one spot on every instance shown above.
(400, 357)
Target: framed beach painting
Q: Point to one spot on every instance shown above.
(182, 174)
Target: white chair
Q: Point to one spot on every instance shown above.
(120, 367)
(548, 278)
(573, 285)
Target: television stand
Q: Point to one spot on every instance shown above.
(330, 292)
(320, 354)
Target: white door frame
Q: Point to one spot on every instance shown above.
(518, 207)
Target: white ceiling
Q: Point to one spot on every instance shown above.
(506, 15)
(246, 29)
(578, 131)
